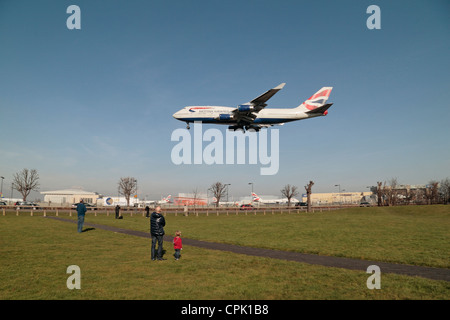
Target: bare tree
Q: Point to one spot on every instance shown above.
(308, 195)
(26, 181)
(419, 196)
(127, 186)
(393, 194)
(195, 196)
(379, 193)
(410, 195)
(289, 192)
(385, 193)
(431, 192)
(218, 190)
(445, 190)
(390, 192)
(427, 195)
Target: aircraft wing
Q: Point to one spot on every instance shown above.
(247, 113)
(262, 99)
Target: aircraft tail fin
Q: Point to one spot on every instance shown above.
(317, 103)
(255, 197)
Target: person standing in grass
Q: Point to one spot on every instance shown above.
(157, 223)
(117, 211)
(81, 212)
(177, 245)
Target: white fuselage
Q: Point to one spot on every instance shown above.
(254, 114)
(215, 114)
(275, 201)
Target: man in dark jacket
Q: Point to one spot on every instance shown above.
(118, 212)
(157, 223)
(81, 211)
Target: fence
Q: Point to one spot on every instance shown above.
(209, 211)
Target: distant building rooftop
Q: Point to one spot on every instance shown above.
(69, 192)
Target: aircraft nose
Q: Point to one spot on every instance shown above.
(175, 115)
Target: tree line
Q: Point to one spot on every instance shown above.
(391, 193)
(218, 189)
(388, 193)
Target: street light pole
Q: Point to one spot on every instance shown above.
(340, 197)
(12, 187)
(227, 184)
(1, 192)
(136, 192)
(251, 196)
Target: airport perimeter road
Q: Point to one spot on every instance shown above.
(328, 261)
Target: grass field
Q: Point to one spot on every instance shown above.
(35, 253)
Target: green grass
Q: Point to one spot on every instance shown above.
(415, 235)
(36, 252)
(411, 235)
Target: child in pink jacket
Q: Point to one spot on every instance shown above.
(177, 245)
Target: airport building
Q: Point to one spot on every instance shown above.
(336, 198)
(317, 199)
(70, 196)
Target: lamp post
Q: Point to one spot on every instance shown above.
(12, 187)
(340, 198)
(136, 192)
(1, 192)
(251, 196)
(227, 184)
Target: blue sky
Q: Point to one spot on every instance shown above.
(86, 107)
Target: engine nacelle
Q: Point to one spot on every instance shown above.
(245, 108)
(225, 117)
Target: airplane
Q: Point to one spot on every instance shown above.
(163, 201)
(225, 203)
(254, 115)
(257, 199)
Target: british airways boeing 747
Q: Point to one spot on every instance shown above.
(254, 115)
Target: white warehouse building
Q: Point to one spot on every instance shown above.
(70, 196)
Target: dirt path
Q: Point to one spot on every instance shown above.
(328, 261)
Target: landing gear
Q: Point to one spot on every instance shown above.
(244, 128)
(187, 125)
(234, 128)
(252, 127)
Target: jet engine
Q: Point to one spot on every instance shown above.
(245, 108)
(225, 117)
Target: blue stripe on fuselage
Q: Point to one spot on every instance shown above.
(257, 120)
(272, 120)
